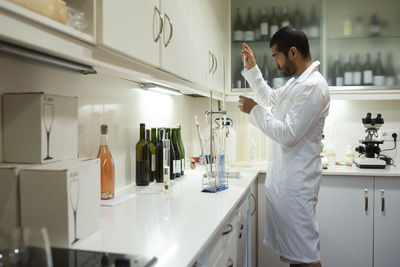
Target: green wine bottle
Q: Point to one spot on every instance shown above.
(152, 157)
(171, 154)
(159, 156)
(154, 136)
(177, 154)
(142, 159)
(181, 149)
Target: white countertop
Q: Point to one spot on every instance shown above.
(174, 227)
(355, 171)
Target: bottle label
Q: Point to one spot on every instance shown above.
(178, 166)
(367, 76)
(357, 77)
(348, 78)
(274, 29)
(379, 80)
(173, 166)
(238, 36)
(339, 81)
(285, 23)
(390, 81)
(264, 28)
(249, 36)
(153, 163)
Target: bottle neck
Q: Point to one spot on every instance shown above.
(103, 140)
(142, 132)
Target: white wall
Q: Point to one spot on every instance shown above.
(104, 99)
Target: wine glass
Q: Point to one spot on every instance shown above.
(74, 198)
(28, 247)
(48, 117)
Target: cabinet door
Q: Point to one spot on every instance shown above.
(252, 261)
(345, 219)
(387, 222)
(177, 45)
(131, 27)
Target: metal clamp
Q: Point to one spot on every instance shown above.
(366, 198)
(170, 33)
(230, 229)
(255, 204)
(161, 24)
(230, 262)
(382, 200)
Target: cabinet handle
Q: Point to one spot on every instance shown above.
(382, 200)
(230, 228)
(161, 24)
(230, 262)
(210, 60)
(170, 33)
(366, 198)
(255, 204)
(216, 64)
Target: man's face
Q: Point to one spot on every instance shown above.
(282, 62)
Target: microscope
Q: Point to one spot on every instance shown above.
(367, 158)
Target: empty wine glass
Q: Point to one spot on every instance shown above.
(74, 198)
(48, 117)
(28, 247)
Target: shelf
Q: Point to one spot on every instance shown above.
(42, 20)
(365, 92)
(342, 38)
(267, 42)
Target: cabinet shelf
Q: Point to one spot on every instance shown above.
(311, 40)
(351, 38)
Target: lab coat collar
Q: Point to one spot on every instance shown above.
(307, 72)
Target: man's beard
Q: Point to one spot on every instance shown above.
(289, 69)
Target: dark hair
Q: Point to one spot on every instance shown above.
(290, 36)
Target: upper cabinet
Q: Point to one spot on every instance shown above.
(355, 41)
(168, 34)
(133, 28)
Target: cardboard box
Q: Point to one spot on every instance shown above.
(9, 198)
(64, 197)
(39, 128)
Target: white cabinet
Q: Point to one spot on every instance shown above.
(358, 219)
(133, 28)
(387, 222)
(345, 220)
(252, 260)
(210, 42)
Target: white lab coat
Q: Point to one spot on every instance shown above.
(294, 170)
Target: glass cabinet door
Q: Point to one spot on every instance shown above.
(362, 43)
(255, 21)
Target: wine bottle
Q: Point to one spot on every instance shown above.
(264, 26)
(107, 168)
(177, 153)
(374, 26)
(348, 71)
(265, 69)
(238, 32)
(152, 157)
(379, 73)
(285, 17)
(313, 27)
(171, 154)
(154, 136)
(159, 156)
(357, 72)
(181, 149)
(142, 159)
(390, 73)
(337, 72)
(274, 25)
(368, 72)
(249, 27)
(297, 21)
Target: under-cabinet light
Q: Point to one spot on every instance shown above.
(33, 56)
(159, 88)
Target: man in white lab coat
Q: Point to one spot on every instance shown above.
(294, 125)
